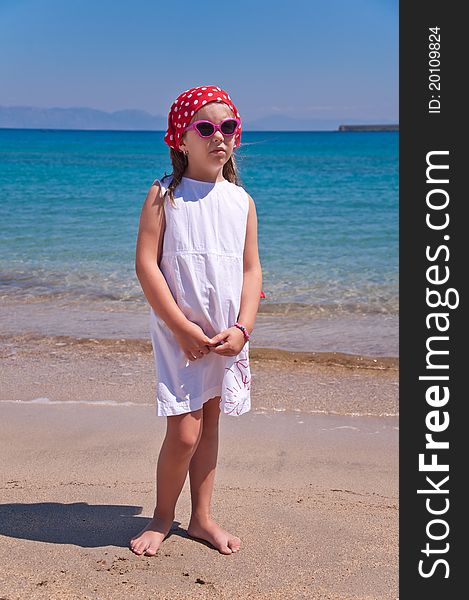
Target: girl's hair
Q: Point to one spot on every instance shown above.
(180, 162)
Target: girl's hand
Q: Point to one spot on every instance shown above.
(229, 342)
(193, 341)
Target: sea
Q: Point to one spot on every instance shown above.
(327, 208)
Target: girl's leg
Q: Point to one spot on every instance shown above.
(202, 476)
(183, 433)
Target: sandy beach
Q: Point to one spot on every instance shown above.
(308, 479)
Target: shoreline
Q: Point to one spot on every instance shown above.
(372, 335)
(62, 369)
(9, 345)
(310, 474)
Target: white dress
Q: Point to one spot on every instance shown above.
(202, 262)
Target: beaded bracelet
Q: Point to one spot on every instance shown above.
(243, 329)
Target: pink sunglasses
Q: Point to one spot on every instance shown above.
(206, 129)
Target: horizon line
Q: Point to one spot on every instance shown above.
(245, 130)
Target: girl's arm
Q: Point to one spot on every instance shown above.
(252, 272)
(147, 260)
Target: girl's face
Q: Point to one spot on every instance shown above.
(203, 152)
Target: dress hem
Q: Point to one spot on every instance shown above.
(186, 407)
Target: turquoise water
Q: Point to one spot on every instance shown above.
(327, 205)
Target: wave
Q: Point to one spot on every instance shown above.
(260, 410)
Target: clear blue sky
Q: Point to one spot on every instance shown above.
(306, 58)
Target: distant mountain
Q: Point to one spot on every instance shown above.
(394, 127)
(285, 123)
(30, 117)
(79, 118)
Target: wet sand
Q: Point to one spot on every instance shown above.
(63, 368)
(311, 490)
(277, 326)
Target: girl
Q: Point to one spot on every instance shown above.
(198, 264)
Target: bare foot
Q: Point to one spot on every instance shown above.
(150, 538)
(211, 532)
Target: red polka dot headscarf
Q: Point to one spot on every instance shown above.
(187, 104)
